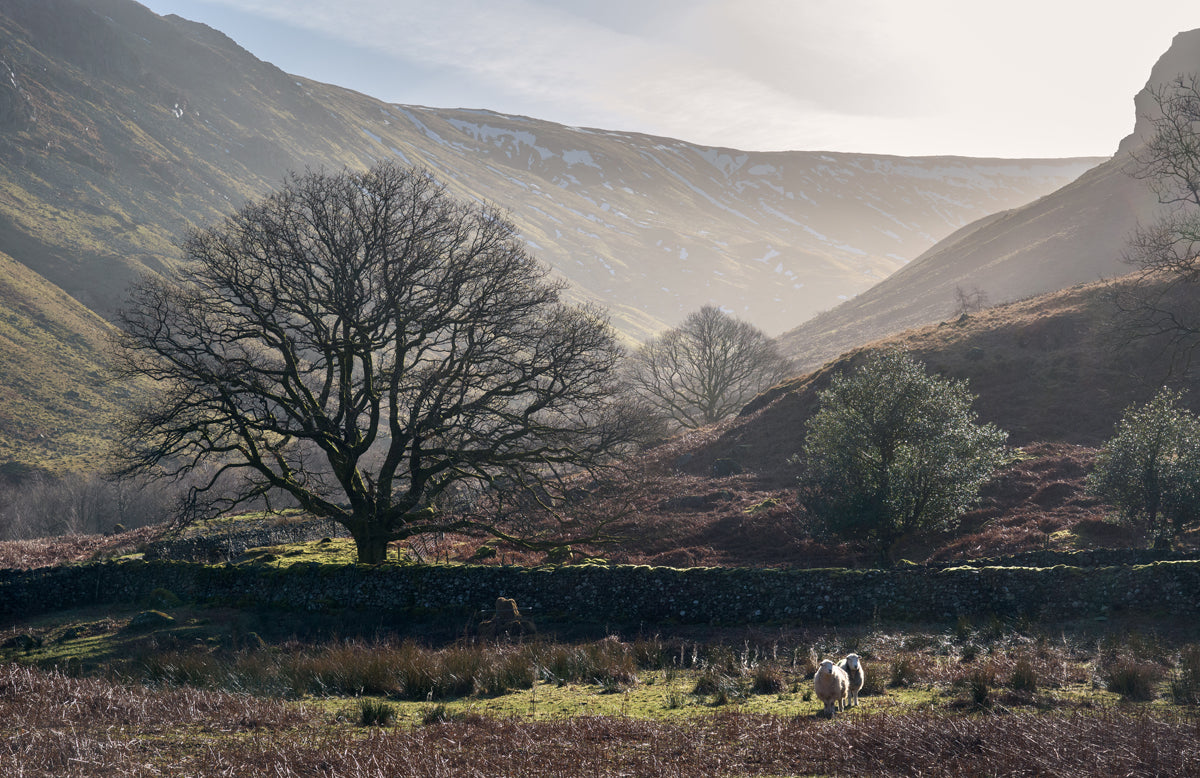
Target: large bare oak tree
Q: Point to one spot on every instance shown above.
(365, 343)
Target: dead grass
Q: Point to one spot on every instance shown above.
(58, 726)
(65, 549)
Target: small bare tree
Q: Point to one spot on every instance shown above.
(970, 300)
(707, 368)
(360, 344)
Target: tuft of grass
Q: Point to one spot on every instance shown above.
(1185, 681)
(722, 688)
(873, 683)
(1024, 676)
(980, 685)
(962, 629)
(767, 679)
(675, 700)
(903, 671)
(1133, 680)
(375, 713)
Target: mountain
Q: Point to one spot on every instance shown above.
(121, 129)
(1076, 234)
(131, 127)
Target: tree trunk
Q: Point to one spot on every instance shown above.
(372, 548)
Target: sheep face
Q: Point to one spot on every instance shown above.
(855, 674)
(832, 686)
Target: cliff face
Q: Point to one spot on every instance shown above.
(1182, 58)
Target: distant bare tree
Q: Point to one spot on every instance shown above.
(361, 344)
(1166, 253)
(969, 300)
(707, 368)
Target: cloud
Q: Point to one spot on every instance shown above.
(557, 61)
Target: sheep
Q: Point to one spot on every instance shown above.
(856, 674)
(831, 685)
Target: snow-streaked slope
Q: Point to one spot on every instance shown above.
(653, 228)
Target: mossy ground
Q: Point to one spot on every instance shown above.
(942, 664)
(327, 551)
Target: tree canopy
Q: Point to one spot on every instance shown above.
(893, 451)
(707, 368)
(365, 343)
(1150, 468)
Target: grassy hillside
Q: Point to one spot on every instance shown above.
(1075, 235)
(56, 400)
(1052, 368)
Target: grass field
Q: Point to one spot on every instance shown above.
(210, 691)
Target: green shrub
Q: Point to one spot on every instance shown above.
(894, 451)
(1150, 469)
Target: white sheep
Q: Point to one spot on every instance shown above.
(856, 674)
(831, 685)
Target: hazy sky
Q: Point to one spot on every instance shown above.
(1021, 78)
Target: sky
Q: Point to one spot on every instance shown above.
(1023, 78)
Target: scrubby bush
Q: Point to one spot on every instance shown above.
(1150, 469)
(893, 451)
(44, 505)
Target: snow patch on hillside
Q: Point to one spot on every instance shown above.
(420, 125)
(726, 163)
(486, 133)
(579, 157)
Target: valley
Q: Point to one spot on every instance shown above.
(675, 600)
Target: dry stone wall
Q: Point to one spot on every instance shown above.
(629, 595)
